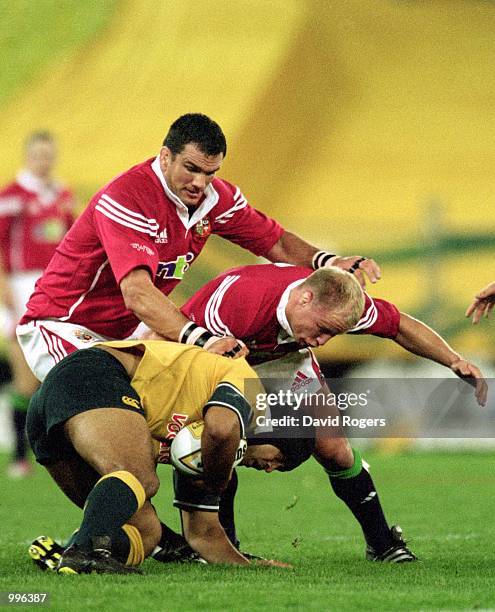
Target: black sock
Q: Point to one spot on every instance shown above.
(111, 502)
(355, 487)
(170, 539)
(121, 545)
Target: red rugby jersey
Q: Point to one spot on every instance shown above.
(33, 220)
(136, 221)
(243, 302)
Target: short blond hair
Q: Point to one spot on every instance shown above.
(337, 290)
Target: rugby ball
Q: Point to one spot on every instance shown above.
(185, 452)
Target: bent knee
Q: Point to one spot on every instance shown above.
(146, 481)
(150, 483)
(334, 453)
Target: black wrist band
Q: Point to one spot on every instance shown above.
(187, 332)
(320, 259)
(203, 339)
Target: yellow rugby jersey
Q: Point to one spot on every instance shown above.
(176, 382)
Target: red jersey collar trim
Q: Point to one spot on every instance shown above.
(211, 199)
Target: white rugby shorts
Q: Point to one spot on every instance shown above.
(46, 342)
(297, 372)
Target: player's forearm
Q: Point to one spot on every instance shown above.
(416, 337)
(292, 249)
(152, 307)
(219, 443)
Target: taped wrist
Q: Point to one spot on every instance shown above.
(322, 259)
(194, 334)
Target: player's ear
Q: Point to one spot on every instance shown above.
(306, 297)
(165, 157)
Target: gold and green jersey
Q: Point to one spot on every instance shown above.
(177, 382)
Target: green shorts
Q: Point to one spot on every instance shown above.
(86, 379)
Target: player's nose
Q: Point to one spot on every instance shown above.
(199, 181)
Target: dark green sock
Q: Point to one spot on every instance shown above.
(110, 504)
(355, 487)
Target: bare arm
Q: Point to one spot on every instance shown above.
(294, 250)
(219, 443)
(416, 337)
(206, 536)
(160, 314)
(150, 305)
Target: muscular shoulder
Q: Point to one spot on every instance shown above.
(139, 184)
(273, 277)
(224, 188)
(230, 196)
(240, 368)
(236, 372)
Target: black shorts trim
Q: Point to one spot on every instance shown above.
(190, 497)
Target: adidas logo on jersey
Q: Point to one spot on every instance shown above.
(300, 380)
(162, 237)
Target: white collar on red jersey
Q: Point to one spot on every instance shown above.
(281, 315)
(211, 199)
(30, 182)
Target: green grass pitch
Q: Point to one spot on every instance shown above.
(444, 503)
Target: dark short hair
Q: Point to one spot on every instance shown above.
(294, 450)
(198, 129)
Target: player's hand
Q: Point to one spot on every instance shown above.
(227, 346)
(361, 267)
(483, 303)
(472, 375)
(271, 563)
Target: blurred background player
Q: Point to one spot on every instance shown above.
(35, 213)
